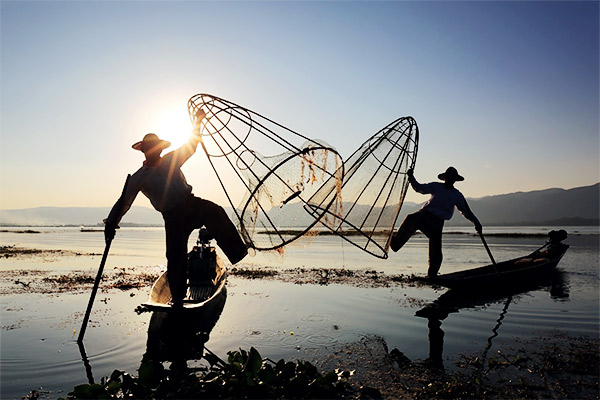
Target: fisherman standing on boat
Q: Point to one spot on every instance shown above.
(161, 180)
(430, 218)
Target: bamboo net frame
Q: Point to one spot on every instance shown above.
(277, 186)
(365, 208)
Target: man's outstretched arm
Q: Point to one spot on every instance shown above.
(182, 154)
(468, 214)
(417, 187)
(123, 204)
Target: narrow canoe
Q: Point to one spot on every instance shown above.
(207, 277)
(519, 270)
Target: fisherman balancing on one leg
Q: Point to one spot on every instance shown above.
(161, 180)
(430, 218)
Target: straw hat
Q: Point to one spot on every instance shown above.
(151, 141)
(451, 174)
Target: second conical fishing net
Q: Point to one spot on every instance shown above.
(365, 208)
(273, 169)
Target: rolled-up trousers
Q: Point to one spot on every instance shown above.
(431, 226)
(181, 221)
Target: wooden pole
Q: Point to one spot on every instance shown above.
(489, 252)
(93, 296)
(99, 274)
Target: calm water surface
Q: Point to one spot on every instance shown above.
(38, 336)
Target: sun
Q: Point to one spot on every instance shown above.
(174, 125)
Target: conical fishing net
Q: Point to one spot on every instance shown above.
(365, 209)
(277, 181)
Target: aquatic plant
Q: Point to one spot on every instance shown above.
(245, 374)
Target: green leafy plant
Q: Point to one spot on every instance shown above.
(244, 375)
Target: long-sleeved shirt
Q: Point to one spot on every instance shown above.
(164, 184)
(443, 200)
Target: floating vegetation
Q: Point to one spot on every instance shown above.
(315, 232)
(251, 273)
(71, 279)
(326, 276)
(565, 367)
(553, 366)
(13, 251)
(35, 281)
(245, 374)
(503, 234)
(20, 231)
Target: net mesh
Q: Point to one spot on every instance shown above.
(364, 206)
(277, 185)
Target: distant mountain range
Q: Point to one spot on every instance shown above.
(578, 206)
(58, 216)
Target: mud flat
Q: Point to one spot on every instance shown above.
(43, 281)
(555, 366)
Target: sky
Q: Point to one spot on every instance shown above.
(506, 92)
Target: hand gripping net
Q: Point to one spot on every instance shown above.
(365, 209)
(276, 186)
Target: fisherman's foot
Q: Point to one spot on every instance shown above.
(239, 257)
(176, 303)
(394, 244)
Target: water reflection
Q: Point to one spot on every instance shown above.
(436, 341)
(454, 300)
(176, 337)
(180, 336)
(86, 363)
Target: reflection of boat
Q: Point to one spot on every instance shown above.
(206, 278)
(181, 336)
(518, 270)
(454, 300)
(176, 337)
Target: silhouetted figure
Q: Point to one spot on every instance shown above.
(177, 336)
(430, 219)
(161, 180)
(436, 341)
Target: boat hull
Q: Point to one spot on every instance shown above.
(203, 288)
(520, 270)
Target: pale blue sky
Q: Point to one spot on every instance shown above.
(507, 92)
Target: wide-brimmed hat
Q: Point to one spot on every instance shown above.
(451, 174)
(151, 141)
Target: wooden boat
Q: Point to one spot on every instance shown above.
(512, 272)
(554, 281)
(206, 279)
(181, 336)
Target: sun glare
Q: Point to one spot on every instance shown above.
(175, 126)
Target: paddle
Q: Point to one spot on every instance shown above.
(99, 275)
(93, 296)
(489, 252)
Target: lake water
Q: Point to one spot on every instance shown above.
(39, 331)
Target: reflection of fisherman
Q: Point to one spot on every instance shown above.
(430, 219)
(177, 338)
(161, 180)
